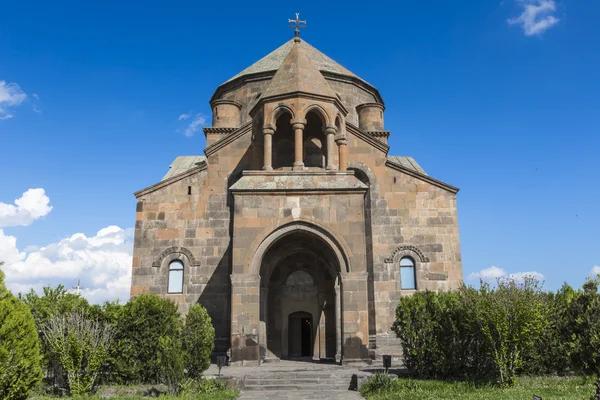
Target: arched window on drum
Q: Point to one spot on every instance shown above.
(407, 274)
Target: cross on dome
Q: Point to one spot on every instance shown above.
(297, 24)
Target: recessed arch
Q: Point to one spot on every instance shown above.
(176, 253)
(299, 226)
(406, 249)
(279, 111)
(320, 111)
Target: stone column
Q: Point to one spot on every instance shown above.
(268, 149)
(330, 132)
(338, 322)
(355, 303)
(264, 292)
(342, 142)
(245, 324)
(298, 145)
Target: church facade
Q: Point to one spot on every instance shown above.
(297, 230)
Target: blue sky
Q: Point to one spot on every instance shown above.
(499, 98)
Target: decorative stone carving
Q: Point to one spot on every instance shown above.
(411, 248)
(173, 250)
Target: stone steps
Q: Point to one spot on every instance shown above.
(309, 380)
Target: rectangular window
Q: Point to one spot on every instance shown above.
(407, 277)
(175, 281)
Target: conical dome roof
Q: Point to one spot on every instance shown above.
(274, 60)
(297, 73)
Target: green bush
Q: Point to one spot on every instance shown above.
(472, 334)
(198, 339)
(144, 320)
(19, 347)
(170, 358)
(80, 343)
(53, 302)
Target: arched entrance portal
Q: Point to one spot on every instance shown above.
(298, 317)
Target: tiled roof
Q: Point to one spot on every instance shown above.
(273, 60)
(407, 162)
(183, 164)
(298, 73)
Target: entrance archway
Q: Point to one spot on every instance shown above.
(299, 302)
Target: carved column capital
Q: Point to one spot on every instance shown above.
(330, 130)
(268, 131)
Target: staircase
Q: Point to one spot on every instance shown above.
(301, 380)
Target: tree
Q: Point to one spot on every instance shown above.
(198, 339)
(144, 321)
(19, 347)
(80, 344)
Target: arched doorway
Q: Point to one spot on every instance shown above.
(298, 275)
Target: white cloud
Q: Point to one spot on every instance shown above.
(536, 17)
(102, 262)
(183, 117)
(595, 271)
(11, 96)
(196, 124)
(33, 204)
(493, 273)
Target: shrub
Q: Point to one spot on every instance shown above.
(170, 358)
(377, 383)
(144, 320)
(19, 347)
(509, 320)
(80, 344)
(474, 334)
(585, 312)
(198, 339)
(191, 386)
(53, 302)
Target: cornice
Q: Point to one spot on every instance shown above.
(379, 134)
(295, 94)
(365, 136)
(425, 178)
(209, 130)
(225, 140)
(203, 165)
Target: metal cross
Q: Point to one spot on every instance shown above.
(297, 24)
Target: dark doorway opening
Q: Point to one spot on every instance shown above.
(300, 335)
(306, 333)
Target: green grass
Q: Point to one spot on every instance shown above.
(136, 392)
(554, 388)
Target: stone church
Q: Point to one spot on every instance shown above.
(297, 229)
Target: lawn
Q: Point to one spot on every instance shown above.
(547, 388)
(142, 392)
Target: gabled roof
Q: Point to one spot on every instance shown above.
(407, 162)
(298, 73)
(273, 60)
(183, 164)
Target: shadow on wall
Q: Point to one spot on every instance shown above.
(354, 349)
(216, 296)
